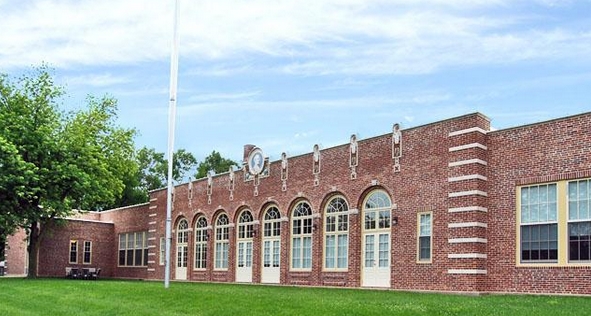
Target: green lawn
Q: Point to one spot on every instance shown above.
(111, 297)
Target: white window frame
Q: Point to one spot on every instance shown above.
(85, 251)
(222, 242)
(301, 233)
(200, 249)
(336, 226)
(73, 245)
(424, 230)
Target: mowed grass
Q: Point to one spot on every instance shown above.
(113, 297)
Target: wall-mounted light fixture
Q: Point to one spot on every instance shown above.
(394, 220)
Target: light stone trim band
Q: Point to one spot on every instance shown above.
(153, 207)
(467, 224)
(467, 162)
(467, 240)
(467, 256)
(466, 193)
(151, 231)
(467, 177)
(466, 271)
(468, 146)
(153, 215)
(468, 130)
(151, 270)
(152, 223)
(467, 209)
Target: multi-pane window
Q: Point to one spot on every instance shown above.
(539, 226)
(245, 234)
(579, 220)
(182, 240)
(87, 254)
(73, 251)
(377, 211)
(222, 242)
(301, 237)
(336, 234)
(162, 250)
(271, 237)
(133, 249)
(201, 243)
(424, 244)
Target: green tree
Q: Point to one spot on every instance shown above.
(154, 167)
(214, 162)
(70, 161)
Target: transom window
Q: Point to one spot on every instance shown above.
(377, 212)
(245, 225)
(272, 223)
(201, 243)
(301, 237)
(336, 238)
(222, 242)
(579, 220)
(539, 226)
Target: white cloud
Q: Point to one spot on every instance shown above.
(302, 37)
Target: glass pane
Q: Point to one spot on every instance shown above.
(296, 253)
(276, 253)
(369, 251)
(384, 250)
(330, 251)
(342, 252)
(307, 255)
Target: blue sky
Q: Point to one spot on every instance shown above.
(285, 75)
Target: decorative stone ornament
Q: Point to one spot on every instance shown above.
(316, 164)
(353, 156)
(256, 161)
(209, 186)
(284, 166)
(231, 179)
(396, 146)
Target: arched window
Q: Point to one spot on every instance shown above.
(201, 243)
(336, 234)
(272, 225)
(271, 237)
(222, 242)
(301, 237)
(182, 240)
(377, 211)
(245, 234)
(245, 225)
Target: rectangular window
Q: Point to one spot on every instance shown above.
(424, 244)
(133, 249)
(73, 251)
(579, 221)
(162, 250)
(87, 252)
(539, 223)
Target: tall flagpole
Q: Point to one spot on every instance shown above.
(174, 70)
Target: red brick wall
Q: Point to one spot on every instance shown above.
(16, 254)
(549, 151)
(54, 253)
(465, 176)
(421, 185)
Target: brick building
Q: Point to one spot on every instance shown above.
(448, 206)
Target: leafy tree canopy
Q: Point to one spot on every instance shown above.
(214, 162)
(62, 161)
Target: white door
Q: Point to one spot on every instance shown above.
(376, 260)
(244, 248)
(244, 270)
(182, 250)
(181, 262)
(271, 258)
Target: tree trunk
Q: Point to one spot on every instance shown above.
(33, 249)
